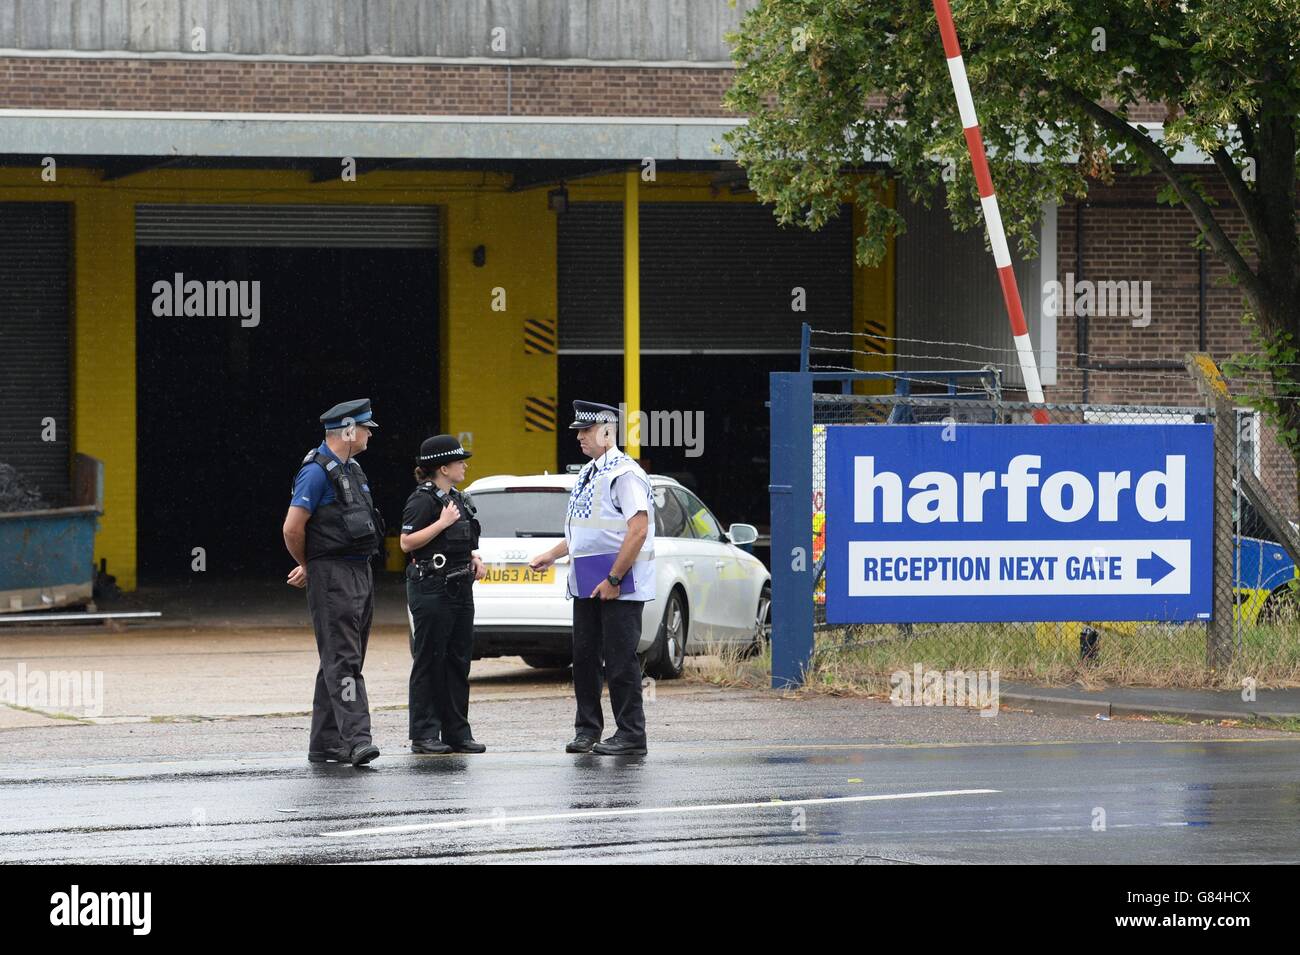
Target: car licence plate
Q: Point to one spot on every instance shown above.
(517, 574)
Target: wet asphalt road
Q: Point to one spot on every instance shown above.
(813, 780)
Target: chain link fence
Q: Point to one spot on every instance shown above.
(1265, 630)
(1255, 634)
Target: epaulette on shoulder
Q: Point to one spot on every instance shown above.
(315, 455)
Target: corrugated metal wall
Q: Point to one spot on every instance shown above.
(714, 277)
(948, 292)
(336, 226)
(34, 342)
(689, 30)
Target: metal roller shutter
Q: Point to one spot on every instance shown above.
(715, 277)
(958, 309)
(34, 342)
(331, 226)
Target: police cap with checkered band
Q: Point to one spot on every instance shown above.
(441, 449)
(588, 413)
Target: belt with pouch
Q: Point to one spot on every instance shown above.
(436, 566)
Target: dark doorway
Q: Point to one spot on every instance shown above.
(226, 412)
(35, 268)
(731, 473)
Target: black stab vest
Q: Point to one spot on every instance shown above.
(349, 526)
(458, 541)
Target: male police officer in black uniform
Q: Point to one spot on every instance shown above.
(440, 533)
(332, 530)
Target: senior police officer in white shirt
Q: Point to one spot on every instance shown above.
(609, 533)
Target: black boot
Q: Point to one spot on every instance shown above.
(429, 746)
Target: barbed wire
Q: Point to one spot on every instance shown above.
(977, 364)
(910, 378)
(1014, 367)
(1183, 380)
(1012, 351)
(1141, 374)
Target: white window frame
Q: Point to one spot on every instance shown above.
(1250, 417)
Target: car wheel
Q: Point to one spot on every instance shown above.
(667, 656)
(547, 663)
(762, 624)
(1281, 607)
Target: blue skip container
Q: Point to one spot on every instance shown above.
(47, 558)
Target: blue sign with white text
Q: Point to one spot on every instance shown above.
(964, 523)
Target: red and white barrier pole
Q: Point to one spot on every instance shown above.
(989, 203)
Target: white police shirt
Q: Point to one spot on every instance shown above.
(609, 491)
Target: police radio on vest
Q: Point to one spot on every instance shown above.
(1062, 496)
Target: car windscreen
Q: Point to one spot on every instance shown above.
(521, 512)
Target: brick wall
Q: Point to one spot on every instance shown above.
(343, 87)
(1127, 237)
(294, 87)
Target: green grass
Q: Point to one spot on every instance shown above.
(725, 665)
(864, 657)
(1286, 725)
(51, 714)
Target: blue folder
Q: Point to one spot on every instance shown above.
(590, 571)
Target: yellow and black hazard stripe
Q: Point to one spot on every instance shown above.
(872, 414)
(539, 336)
(539, 413)
(872, 337)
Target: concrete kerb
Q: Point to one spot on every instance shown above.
(1064, 702)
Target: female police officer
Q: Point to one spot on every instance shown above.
(440, 533)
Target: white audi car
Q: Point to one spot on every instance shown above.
(710, 592)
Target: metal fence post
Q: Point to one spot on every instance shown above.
(791, 452)
(1219, 637)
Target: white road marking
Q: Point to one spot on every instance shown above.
(653, 810)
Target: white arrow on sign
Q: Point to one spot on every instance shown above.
(1019, 568)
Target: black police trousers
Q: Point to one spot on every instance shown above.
(340, 596)
(605, 637)
(442, 645)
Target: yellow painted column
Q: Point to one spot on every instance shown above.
(498, 368)
(874, 315)
(632, 307)
(103, 362)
